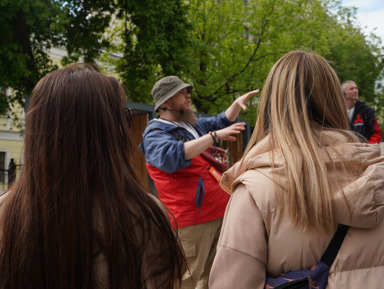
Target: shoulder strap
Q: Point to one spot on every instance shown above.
(173, 133)
(178, 136)
(334, 246)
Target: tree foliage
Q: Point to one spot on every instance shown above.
(30, 28)
(356, 56)
(150, 41)
(151, 37)
(26, 32)
(223, 47)
(239, 41)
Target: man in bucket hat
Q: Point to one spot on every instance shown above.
(186, 182)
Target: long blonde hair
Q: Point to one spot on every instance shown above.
(301, 97)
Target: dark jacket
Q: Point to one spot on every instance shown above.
(364, 122)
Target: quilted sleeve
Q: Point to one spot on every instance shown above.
(241, 256)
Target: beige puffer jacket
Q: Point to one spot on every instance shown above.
(257, 239)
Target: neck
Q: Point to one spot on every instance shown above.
(350, 103)
(168, 115)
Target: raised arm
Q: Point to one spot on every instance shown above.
(197, 146)
(240, 103)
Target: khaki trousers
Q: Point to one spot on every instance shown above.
(199, 243)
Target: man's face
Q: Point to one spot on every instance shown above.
(351, 92)
(181, 100)
(181, 106)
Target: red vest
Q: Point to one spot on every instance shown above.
(192, 195)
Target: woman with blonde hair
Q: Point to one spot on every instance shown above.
(78, 217)
(302, 174)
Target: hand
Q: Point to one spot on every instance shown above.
(242, 100)
(226, 133)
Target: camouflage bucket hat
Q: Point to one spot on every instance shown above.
(167, 87)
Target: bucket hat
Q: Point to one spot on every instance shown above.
(167, 87)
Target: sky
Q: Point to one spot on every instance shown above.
(370, 14)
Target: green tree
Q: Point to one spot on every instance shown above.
(224, 47)
(150, 38)
(29, 28)
(240, 41)
(237, 42)
(354, 55)
(84, 23)
(26, 33)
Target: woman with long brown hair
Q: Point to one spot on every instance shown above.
(78, 217)
(302, 174)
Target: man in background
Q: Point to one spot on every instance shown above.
(361, 116)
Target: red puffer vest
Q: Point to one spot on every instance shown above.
(192, 195)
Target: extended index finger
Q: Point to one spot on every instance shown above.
(253, 92)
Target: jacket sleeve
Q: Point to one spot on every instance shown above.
(164, 152)
(375, 137)
(207, 124)
(241, 256)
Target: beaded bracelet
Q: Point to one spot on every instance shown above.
(216, 137)
(213, 137)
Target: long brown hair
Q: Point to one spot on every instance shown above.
(301, 98)
(78, 198)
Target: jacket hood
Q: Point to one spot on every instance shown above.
(155, 124)
(358, 199)
(159, 125)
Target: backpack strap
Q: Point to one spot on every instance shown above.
(177, 136)
(335, 244)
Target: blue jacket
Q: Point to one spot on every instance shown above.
(163, 151)
(185, 187)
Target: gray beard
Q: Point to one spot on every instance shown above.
(187, 115)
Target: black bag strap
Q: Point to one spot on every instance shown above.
(177, 136)
(335, 244)
(173, 133)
